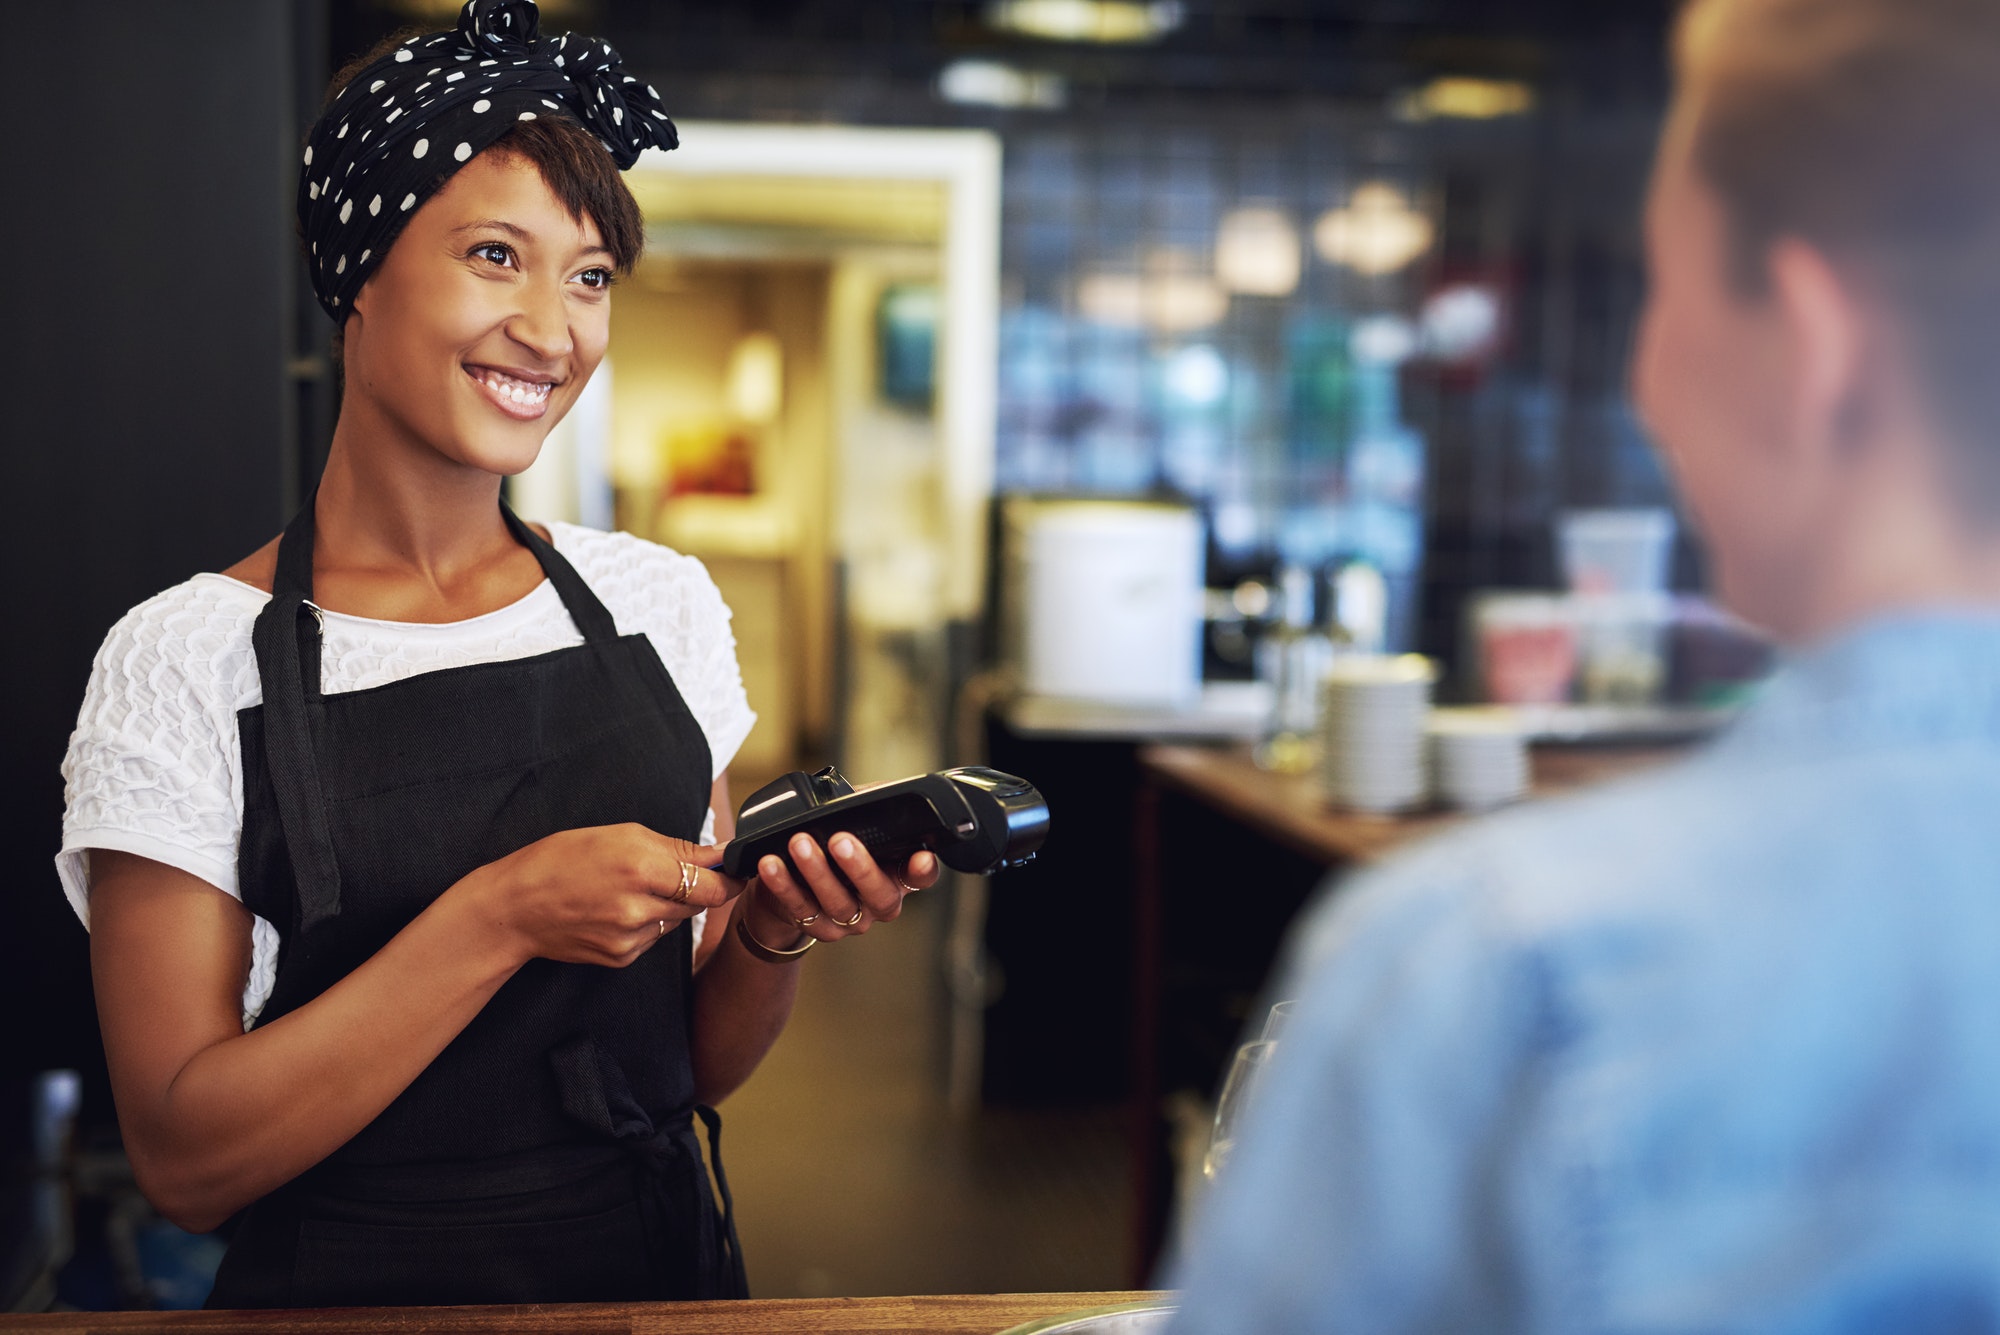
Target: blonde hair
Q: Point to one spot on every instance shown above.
(1870, 129)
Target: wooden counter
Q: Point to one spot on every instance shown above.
(983, 1314)
(1289, 809)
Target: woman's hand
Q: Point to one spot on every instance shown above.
(603, 895)
(821, 903)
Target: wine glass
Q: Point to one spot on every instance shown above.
(1238, 1090)
(1275, 1022)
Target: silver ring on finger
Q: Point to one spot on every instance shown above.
(849, 922)
(663, 929)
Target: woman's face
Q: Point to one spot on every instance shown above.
(482, 324)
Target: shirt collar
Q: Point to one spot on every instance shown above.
(1904, 677)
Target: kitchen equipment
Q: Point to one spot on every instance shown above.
(1104, 600)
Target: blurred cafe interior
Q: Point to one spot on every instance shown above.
(1207, 409)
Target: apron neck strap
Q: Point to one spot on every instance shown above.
(295, 576)
(592, 618)
(287, 642)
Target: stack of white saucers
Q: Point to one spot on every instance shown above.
(1372, 731)
(1479, 758)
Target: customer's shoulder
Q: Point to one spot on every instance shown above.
(1657, 837)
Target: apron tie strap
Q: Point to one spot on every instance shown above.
(595, 1092)
(288, 749)
(730, 1278)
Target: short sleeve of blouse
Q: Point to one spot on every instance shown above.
(152, 767)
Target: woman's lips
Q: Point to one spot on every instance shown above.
(522, 400)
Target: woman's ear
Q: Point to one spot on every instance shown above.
(1828, 409)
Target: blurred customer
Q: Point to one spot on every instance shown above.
(1717, 1049)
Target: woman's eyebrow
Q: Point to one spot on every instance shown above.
(518, 233)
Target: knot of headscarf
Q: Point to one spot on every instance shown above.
(402, 126)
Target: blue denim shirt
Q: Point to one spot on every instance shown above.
(1715, 1049)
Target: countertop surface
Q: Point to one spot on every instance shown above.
(945, 1314)
(1224, 711)
(1290, 809)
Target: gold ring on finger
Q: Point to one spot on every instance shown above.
(663, 928)
(849, 922)
(806, 921)
(688, 872)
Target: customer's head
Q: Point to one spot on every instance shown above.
(1823, 334)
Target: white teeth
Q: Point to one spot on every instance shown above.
(522, 392)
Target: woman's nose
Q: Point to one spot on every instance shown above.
(542, 323)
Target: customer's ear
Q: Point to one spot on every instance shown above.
(1829, 395)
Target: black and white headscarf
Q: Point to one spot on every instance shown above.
(398, 131)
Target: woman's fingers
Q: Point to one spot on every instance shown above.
(880, 892)
(835, 897)
(841, 890)
(794, 901)
(682, 874)
(922, 871)
(689, 889)
(812, 895)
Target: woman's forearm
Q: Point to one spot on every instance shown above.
(249, 1112)
(741, 1003)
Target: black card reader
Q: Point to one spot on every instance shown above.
(975, 819)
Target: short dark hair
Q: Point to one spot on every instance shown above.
(1866, 127)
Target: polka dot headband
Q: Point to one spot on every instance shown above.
(403, 125)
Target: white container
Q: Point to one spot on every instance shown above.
(1615, 551)
(1107, 597)
(1624, 640)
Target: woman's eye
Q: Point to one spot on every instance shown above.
(495, 251)
(596, 278)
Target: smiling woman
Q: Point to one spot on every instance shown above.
(396, 840)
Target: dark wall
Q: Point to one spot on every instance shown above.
(148, 325)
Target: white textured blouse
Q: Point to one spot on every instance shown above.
(155, 764)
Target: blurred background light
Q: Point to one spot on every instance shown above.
(990, 83)
(1115, 21)
(1197, 376)
(1463, 98)
(754, 383)
(1382, 340)
(1168, 302)
(1377, 233)
(1461, 322)
(1257, 252)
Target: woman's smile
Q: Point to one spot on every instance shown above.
(521, 395)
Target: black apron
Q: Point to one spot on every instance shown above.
(548, 1154)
